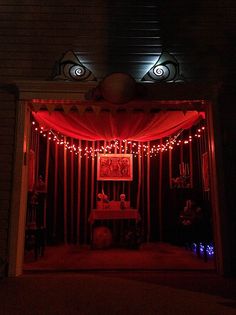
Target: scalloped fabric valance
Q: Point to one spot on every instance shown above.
(136, 126)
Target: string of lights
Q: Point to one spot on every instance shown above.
(123, 146)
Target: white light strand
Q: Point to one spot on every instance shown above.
(135, 148)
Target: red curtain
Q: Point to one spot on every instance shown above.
(31, 172)
(107, 126)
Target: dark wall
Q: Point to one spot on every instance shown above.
(7, 125)
(227, 116)
(117, 36)
(204, 32)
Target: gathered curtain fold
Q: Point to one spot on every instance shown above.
(135, 126)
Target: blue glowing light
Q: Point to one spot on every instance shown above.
(209, 248)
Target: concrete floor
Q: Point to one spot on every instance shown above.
(146, 293)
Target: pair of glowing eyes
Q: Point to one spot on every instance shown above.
(78, 71)
(156, 73)
(165, 69)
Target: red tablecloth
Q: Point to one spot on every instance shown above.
(109, 214)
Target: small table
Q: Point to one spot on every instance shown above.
(112, 214)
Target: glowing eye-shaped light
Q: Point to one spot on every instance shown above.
(76, 72)
(165, 69)
(70, 68)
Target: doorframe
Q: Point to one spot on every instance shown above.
(19, 192)
(75, 91)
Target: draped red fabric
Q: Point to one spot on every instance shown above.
(137, 126)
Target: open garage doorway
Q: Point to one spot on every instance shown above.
(169, 174)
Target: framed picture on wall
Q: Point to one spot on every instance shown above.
(115, 167)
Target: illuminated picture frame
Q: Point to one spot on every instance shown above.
(115, 167)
